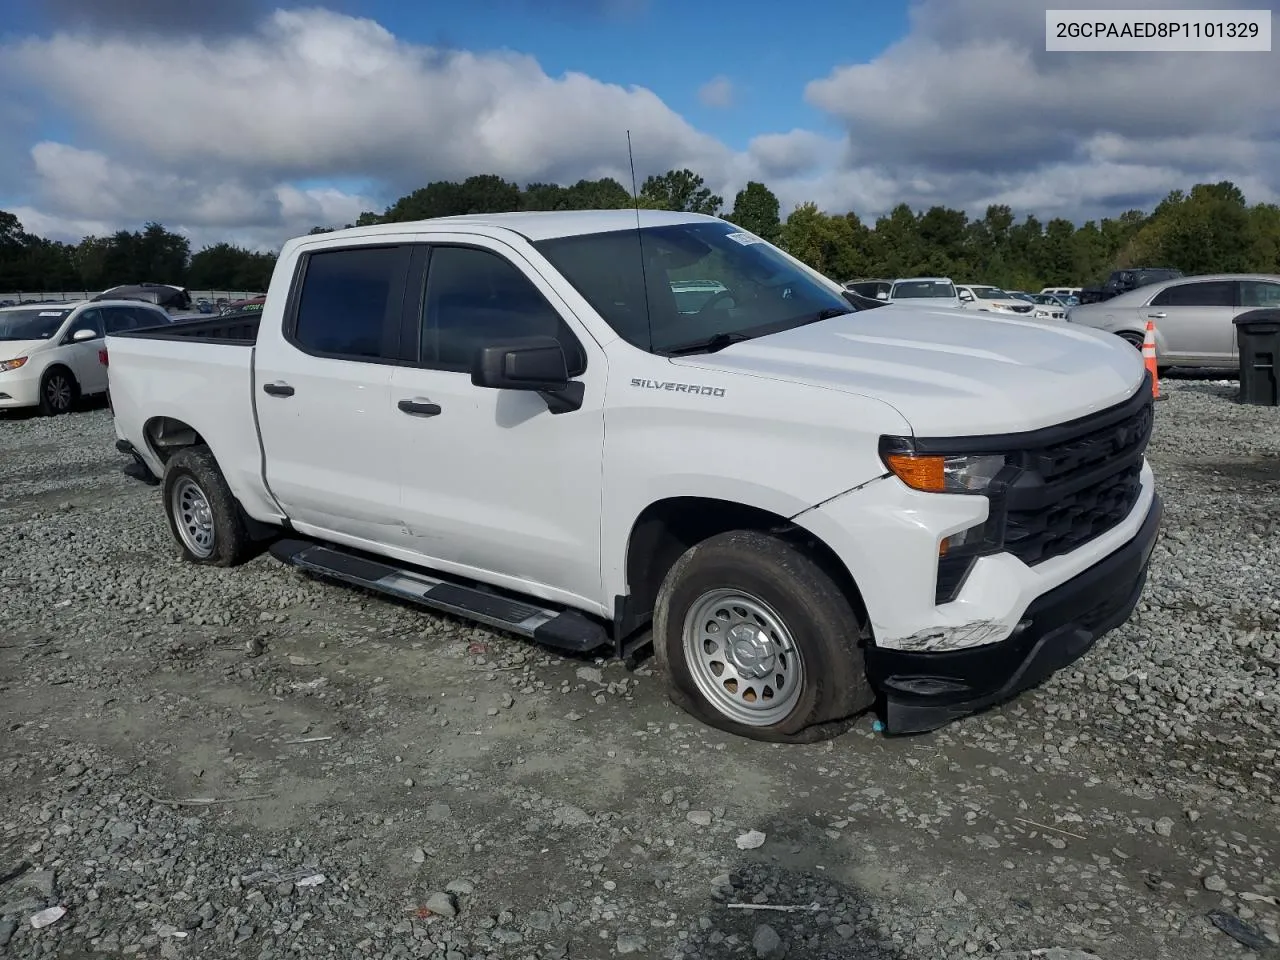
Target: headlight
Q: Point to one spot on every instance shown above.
(13, 364)
(936, 474)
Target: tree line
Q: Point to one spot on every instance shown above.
(1208, 229)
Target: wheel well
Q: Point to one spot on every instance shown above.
(62, 367)
(167, 435)
(666, 529)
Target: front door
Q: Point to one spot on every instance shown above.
(492, 482)
(82, 356)
(323, 393)
(1194, 320)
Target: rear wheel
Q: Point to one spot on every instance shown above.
(58, 391)
(757, 640)
(204, 517)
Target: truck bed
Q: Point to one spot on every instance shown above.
(170, 378)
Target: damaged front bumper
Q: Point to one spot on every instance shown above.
(924, 690)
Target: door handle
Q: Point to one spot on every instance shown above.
(277, 389)
(1157, 316)
(419, 407)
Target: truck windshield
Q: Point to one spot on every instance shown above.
(31, 324)
(703, 280)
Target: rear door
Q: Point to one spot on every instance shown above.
(1194, 320)
(322, 387)
(1253, 295)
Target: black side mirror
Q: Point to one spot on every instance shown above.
(536, 364)
(860, 302)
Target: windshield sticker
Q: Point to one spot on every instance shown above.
(744, 238)
(52, 313)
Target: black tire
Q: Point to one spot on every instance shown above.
(834, 688)
(224, 541)
(59, 391)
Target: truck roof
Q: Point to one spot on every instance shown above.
(532, 225)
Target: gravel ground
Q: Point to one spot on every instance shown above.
(249, 763)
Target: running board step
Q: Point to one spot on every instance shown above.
(562, 629)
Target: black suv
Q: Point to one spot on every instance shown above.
(1122, 281)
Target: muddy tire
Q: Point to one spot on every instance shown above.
(757, 640)
(204, 517)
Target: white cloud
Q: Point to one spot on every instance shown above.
(84, 191)
(717, 92)
(213, 135)
(314, 93)
(971, 100)
(788, 155)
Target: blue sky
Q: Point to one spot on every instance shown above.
(265, 118)
(673, 48)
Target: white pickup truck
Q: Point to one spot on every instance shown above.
(810, 510)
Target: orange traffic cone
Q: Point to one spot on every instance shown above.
(1149, 357)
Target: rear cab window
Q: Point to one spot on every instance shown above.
(348, 302)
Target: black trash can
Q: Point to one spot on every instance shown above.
(1258, 338)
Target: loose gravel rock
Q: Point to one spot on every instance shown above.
(213, 763)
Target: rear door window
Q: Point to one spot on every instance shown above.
(350, 303)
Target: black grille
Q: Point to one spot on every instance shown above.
(1021, 308)
(1077, 487)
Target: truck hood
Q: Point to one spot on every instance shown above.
(9, 349)
(948, 373)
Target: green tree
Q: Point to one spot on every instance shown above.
(680, 190)
(755, 208)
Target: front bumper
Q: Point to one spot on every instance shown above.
(926, 690)
(19, 388)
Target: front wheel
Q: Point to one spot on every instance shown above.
(756, 639)
(204, 517)
(58, 391)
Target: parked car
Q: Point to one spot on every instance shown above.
(925, 292)
(1122, 281)
(990, 300)
(1049, 307)
(871, 289)
(204, 305)
(166, 295)
(1064, 292)
(50, 354)
(508, 418)
(239, 306)
(1193, 316)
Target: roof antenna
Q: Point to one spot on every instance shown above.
(644, 278)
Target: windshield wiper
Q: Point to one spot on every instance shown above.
(709, 345)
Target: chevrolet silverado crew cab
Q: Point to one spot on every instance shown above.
(810, 510)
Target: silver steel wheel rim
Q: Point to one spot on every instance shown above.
(743, 658)
(58, 390)
(193, 517)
